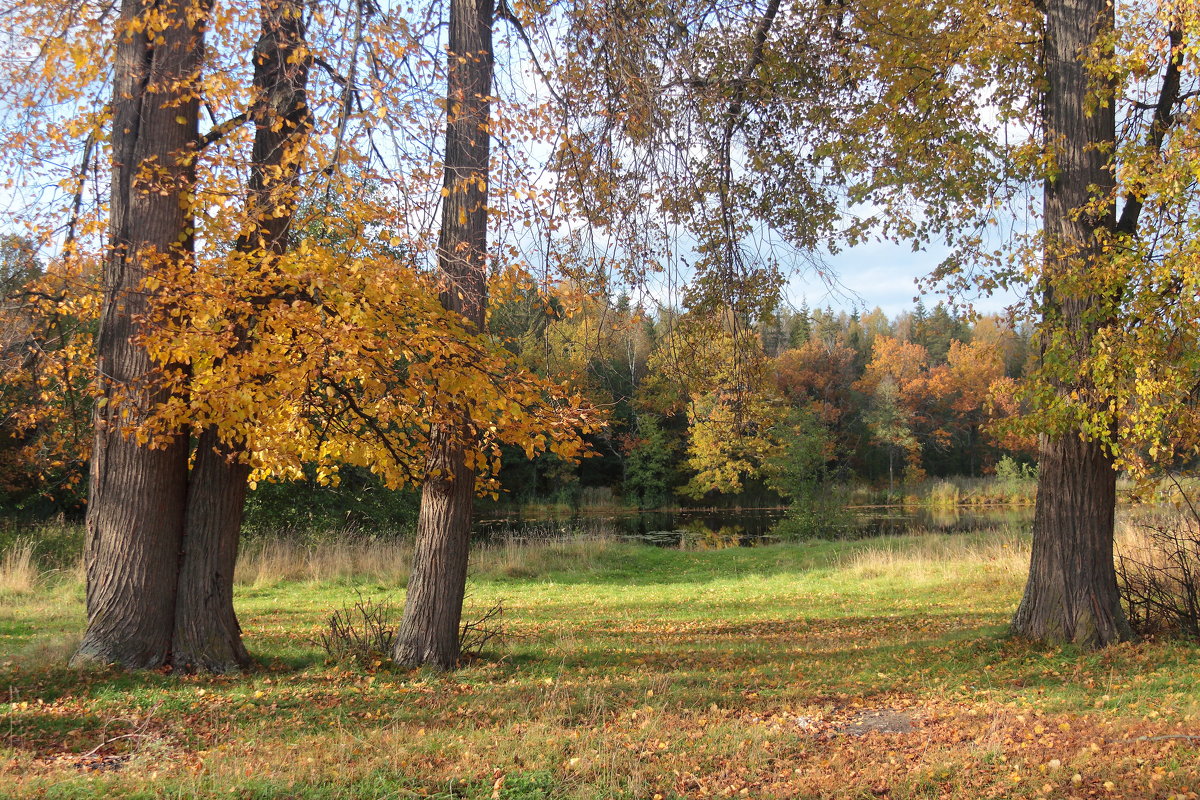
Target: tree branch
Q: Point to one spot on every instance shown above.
(1164, 119)
(505, 12)
(77, 201)
(338, 78)
(221, 130)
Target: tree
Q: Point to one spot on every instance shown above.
(651, 472)
(206, 631)
(806, 127)
(965, 384)
(888, 422)
(429, 631)
(195, 547)
(138, 488)
(46, 333)
(733, 412)
(293, 332)
(820, 377)
(1115, 374)
(799, 469)
(897, 382)
(936, 331)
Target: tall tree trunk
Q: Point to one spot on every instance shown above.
(137, 492)
(207, 634)
(1071, 595)
(433, 609)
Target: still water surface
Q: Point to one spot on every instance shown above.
(712, 528)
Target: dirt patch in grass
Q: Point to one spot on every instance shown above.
(878, 721)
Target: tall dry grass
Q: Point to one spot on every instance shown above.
(19, 572)
(269, 561)
(938, 556)
(266, 562)
(527, 558)
(1158, 571)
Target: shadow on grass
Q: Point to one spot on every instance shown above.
(580, 679)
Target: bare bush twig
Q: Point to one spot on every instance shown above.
(364, 632)
(478, 633)
(1159, 575)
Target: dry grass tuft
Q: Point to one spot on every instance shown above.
(935, 556)
(513, 558)
(268, 562)
(18, 569)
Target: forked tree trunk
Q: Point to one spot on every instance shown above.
(207, 634)
(162, 544)
(138, 493)
(433, 608)
(1071, 595)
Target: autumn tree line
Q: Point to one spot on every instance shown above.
(700, 414)
(839, 398)
(277, 241)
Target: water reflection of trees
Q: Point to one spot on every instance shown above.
(698, 535)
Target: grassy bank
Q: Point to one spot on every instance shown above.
(850, 669)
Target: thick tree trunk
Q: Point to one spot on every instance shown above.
(433, 609)
(162, 544)
(1072, 593)
(433, 606)
(138, 493)
(207, 634)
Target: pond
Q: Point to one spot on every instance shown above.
(744, 527)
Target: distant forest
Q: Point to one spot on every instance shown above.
(821, 397)
(817, 394)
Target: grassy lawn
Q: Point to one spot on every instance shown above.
(855, 669)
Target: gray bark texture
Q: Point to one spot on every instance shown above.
(429, 630)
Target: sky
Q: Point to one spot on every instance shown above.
(878, 274)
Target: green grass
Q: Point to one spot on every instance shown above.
(629, 672)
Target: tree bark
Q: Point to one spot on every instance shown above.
(429, 630)
(138, 492)
(1071, 595)
(162, 543)
(207, 634)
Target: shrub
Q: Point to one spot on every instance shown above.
(1158, 571)
(363, 633)
(944, 494)
(1009, 470)
(815, 519)
(478, 633)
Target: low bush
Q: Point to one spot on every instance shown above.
(1158, 571)
(363, 633)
